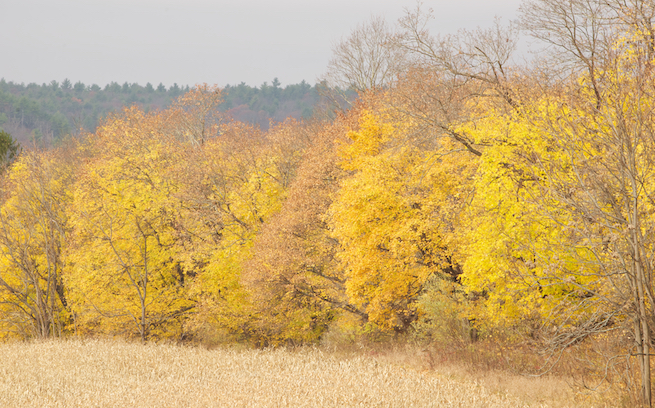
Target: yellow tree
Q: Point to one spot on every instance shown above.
(579, 158)
(393, 217)
(233, 184)
(198, 118)
(125, 273)
(33, 233)
(563, 226)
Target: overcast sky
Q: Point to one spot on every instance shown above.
(195, 41)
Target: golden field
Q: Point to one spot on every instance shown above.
(106, 373)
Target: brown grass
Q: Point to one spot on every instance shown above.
(548, 390)
(555, 391)
(119, 374)
(577, 380)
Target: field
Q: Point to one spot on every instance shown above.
(117, 374)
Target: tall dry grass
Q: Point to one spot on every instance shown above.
(578, 379)
(108, 373)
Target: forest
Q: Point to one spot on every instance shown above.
(45, 114)
(462, 198)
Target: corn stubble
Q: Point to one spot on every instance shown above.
(111, 374)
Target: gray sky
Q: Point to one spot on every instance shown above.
(194, 41)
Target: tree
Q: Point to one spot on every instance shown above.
(126, 274)
(9, 149)
(233, 184)
(609, 115)
(199, 119)
(367, 59)
(392, 217)
(565, 215)
(33, 233)
(174, 89)
(297, 286)
(448, 76)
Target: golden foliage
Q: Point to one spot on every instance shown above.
(394, 219)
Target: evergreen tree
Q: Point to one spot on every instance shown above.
(9, 149)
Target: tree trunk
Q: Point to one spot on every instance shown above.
(640, 281)
(644, 362)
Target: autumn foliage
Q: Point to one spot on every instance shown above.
(466, 193)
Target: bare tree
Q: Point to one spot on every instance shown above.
(448, 76)
(367, 59)
(483, 55)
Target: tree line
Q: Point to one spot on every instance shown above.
(45, 114)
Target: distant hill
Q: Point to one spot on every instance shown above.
(270, 102)
(46, 113)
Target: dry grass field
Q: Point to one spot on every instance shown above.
(97, 373)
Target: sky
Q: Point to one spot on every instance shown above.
(197, 41)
